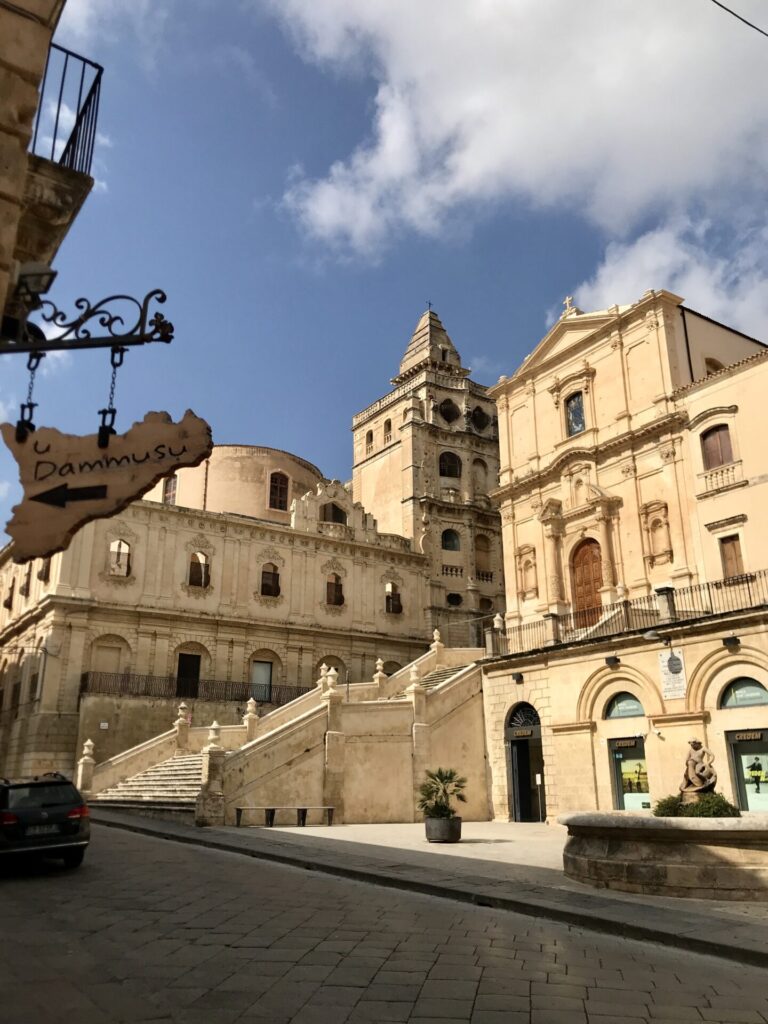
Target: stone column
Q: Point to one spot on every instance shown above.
(209, 806)
(604, 529)
(85, 766)
(554, 575)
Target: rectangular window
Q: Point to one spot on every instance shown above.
(730, 553)
(44, 572)
(169, 490)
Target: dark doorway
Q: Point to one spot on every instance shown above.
(525, 765)
(188, 675)
(586, 580)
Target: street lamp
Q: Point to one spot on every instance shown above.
(32, 281)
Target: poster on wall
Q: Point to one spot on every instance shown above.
(672, 672)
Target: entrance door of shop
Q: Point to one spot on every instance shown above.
(749, 762)
(630, 774)
(525, 765)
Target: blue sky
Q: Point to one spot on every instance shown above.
(301, 176)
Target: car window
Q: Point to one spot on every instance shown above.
(42, 796)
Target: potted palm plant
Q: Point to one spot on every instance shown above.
(436, 792)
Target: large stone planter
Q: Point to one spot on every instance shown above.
(701, 858)
(443, 830)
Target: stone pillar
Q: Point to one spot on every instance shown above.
(665, 599)
(420, 740)
(604, 529)
(333, 774)
(554, 575)
(209, 806)
(552, 623)
(438, 647)
(379, 676)
(84, 777)
(251, 721)
(322, 682)
(181, 725)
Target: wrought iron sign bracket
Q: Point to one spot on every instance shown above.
(124, 320)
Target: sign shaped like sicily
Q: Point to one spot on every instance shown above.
(69, 480)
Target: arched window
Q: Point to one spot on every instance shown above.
(454, 600)
(451, 541)
(713, 366)
(369, 442)
(716, 446)
(523, 715)
(450, 464)
(390, 667)
(624, 705)
(270, 580)
(574, 414)
(449, 410)
(334, 590)
(278, 492)
(486, 604)
(332, 513)
(743, 692)
(169, 490)
(393, 603)
(387, 431)
(199, 570)
(119, 558)
(482, 553)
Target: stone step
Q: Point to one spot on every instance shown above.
(176, 781)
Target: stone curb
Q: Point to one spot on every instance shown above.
(675, 927)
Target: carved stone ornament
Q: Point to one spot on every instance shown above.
(69, 480)
(267, 602)
(391, 577)
(333, 565)
(200, 543)
(527, 573)
(196, 592)
(654, 519)
(332, 609)
(668, 453)
(580, 380)
(270, 555)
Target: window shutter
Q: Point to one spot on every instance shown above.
(730, 550)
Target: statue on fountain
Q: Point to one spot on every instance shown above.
(700, 777)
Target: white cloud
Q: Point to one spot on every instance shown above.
(613, 108)
(731, 286)
(55, 361)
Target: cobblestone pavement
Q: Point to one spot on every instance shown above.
(150, 930)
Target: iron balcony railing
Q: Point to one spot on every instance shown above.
(68, 111)
(734, 594)
(127, 684)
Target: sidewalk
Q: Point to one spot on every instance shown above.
(506, 866)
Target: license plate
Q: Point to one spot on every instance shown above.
(41, 830)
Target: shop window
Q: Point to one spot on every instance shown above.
(716, 447)
(387, 431)
(630, 773)
(450, 465)
(270, 580)
(451, 541)
(449, 410)
(334, 590)
(454, 600)
(574, 414)
(624, 705)
(332, 513)
(482, 553)
(278, 492)
(393, 604)
(119, 558)
(730, 555)
(743, 692)
(169, 490)
(199, 570)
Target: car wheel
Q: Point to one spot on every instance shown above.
(73, 858)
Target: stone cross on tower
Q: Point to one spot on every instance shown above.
(568, 304)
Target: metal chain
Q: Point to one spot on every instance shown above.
(116, 357)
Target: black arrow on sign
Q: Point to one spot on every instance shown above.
(59, 496)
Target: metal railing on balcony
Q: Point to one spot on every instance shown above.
(126, 684)
(733, 594)
(67, 114)
(608, 620)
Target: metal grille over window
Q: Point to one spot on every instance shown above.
(524, 714)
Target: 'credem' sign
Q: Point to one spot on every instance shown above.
(69, 480)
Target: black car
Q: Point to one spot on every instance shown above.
(45, 815)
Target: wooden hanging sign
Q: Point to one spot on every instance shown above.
(69, 480)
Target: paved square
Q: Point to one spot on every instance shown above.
(149, 930)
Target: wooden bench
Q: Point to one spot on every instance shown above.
(269, 814)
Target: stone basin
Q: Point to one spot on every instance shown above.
(698, 858)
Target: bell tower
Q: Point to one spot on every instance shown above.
(426, 457)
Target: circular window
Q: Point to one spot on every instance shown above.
(480, 418)
(744, 692)
(624, 705)
(454, 600)
(449, 410)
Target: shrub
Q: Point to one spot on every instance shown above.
(438, 790)
(708, 805)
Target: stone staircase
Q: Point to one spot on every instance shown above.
(167, 789)
(433, 679)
